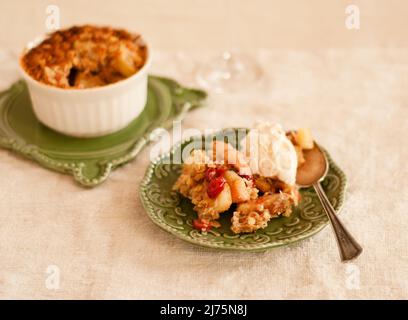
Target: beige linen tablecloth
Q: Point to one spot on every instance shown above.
(103, 245)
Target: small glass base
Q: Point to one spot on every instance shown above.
(228, 72)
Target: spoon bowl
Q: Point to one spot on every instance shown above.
(314, 169)
(310, 173)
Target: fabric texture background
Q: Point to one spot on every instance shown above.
(105, 246)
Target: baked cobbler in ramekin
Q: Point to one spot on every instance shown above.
(87, 80)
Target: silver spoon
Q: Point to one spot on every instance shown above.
(310, 173)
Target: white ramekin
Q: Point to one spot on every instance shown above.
(89, 112)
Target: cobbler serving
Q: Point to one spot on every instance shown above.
(259, 183)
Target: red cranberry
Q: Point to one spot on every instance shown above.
(215, 187)
(220, 171)
(210, 173)
(201, 225)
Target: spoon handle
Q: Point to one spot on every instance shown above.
(348, 246)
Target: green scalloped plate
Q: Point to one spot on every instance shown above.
(174, 213)
(90, 160)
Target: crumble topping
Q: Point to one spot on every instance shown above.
(85, 57)
(223, 180)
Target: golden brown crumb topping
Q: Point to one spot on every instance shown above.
(85, 56)
(214, 186)
(257, 199)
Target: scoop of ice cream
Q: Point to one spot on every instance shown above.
(270, 153)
